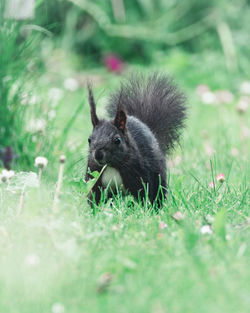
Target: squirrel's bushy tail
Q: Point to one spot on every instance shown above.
(157, 102)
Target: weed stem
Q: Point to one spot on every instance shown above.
(59, 183)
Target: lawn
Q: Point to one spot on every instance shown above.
(193, 256)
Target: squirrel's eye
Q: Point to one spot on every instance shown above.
(89, 140)
(117, 140)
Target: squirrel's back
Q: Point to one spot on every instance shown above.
(146, 142)
(156, 102)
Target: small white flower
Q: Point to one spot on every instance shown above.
(206, 230)
(58, 308)
(210, 218)
(41, 162)
(6, 175)
(71, 84)
(34, 138)
(55, 95)
(209, 149)
(208, 97)
(224, 96)
(32, 260)
(220, 178)
(242, 104)
(162, 225)
(62, 159)
(178, 216)
(36, 125)
(21, 180)
(114, 227)
(51, 114)
(245, 88)
(72, 145)
(211, 185)
(201, 89)
(33, 100)
(10, 174)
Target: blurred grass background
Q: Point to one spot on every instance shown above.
(124, 258)
(196, 41)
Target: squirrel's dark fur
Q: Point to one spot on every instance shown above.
(147, 116)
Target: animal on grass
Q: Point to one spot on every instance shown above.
(147, 116)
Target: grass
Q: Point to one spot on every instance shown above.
(124, 257)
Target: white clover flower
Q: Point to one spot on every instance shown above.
(33, 100)
(32, 260)
(41, 162)
(210, 218)
(71, 84)
(51, 114)
(242, 104)
(9, 173)
(224, 96)
(114, 227)
(206, 230)
(245, 88)
(220, 178)
(22, 180)
(178, 216)
(201, 89)
(211, 185)
(55, 95)
(72, 145)
(6, 175)
(162, 225)
(36, 125)
(209, 149)
(57, 308)
(208, 97)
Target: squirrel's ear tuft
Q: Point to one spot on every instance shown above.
(94, 118)
(120, 120)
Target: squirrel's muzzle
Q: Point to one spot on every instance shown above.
(99, 156)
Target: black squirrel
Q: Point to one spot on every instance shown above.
(147, 115)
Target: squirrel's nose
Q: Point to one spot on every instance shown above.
(99, 155)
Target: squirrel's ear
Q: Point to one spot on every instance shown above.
(120, 120)
(94, 118)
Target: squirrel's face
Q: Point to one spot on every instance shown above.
(107, 144)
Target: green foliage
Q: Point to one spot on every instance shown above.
(17, 64)
(122, 256)
(220, 224)
(135, 30)
(138, 31)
